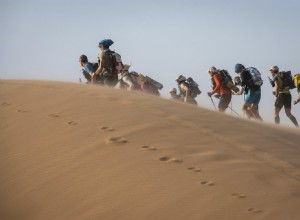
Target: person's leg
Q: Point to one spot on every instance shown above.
(86, 75)
(225, 99)
(254, 106)
(287, 101)
(128, 81)
(291, 117)
(247, 111)
(278, 106)
(254, 110)
(248, 103)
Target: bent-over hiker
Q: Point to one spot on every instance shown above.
(129, 80)
(149, 85)
(219, 88)
(185, 90)
(89, 69)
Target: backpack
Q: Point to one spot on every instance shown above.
(117, 64)
(287, 80)
(95, 66)
(227, 80)
(256, 76)
(297, 79)
(193, 86)
(154, 83)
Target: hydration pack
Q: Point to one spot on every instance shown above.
(256, 76)
(287, 80)
(193, 86)
(154, 82)
(227, 80)
(117, 64)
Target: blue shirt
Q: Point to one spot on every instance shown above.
(88, 67)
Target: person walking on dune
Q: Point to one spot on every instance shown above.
(107, 66)
(185, 90)
(219, 88)
(252, 90)
(89, 69)
(283, 96)
(174, 96)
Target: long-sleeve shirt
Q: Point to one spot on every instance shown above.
(219, 88)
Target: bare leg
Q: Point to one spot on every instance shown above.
(247, 111)
(254, 110)
(277, 119)
(291, 117)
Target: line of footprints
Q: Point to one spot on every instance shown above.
(198, 170)
(121, 140)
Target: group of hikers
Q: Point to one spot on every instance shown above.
(248, 82)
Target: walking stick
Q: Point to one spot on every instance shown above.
(213, 102)
(233, 111)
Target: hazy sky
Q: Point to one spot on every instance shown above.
(43, 39)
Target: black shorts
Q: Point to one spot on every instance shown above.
(225, 99)
(283, 99)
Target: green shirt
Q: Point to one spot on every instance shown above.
(281, 90)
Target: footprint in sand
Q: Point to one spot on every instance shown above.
(239, 196)
(107, 128)
(5, 104)
(72, 123)
(174, 160)
(146, 147)
(21, 111)
(252, 210)
(112, 99)
(194, 169)
(53, 115)
(207, 183)
(117, 140)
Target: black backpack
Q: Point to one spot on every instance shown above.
(194, 87)
(95, 66)
(226, 78)
(287, 80)
(116, 62)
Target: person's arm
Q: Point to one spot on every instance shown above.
(243, 79)
(218, 84)
(100, 68)
(276, 87)
(101, 65)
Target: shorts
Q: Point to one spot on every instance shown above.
(253, 97)
(283, 99)
(225, 99)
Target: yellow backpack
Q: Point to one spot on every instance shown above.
(297, 79)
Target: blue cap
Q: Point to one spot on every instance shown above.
(239, 67)
(106, 42)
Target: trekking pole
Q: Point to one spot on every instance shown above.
(233, 111)
(213, 102)
(244, 102)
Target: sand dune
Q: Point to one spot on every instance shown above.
(71, 151)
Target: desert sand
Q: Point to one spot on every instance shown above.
(71, 151)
